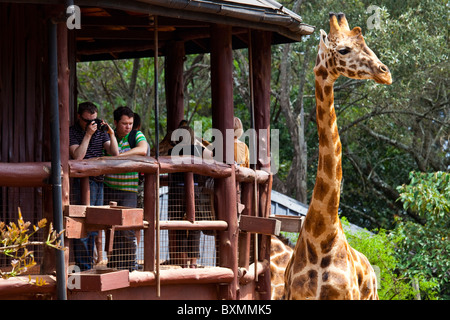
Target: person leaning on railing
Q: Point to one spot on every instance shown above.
(89, 138)
(123, 187)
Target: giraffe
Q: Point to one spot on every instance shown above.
(323, 265)
(280, 253)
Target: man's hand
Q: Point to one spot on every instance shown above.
(91, 128)
(110, 130)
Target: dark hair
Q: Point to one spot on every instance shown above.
(123, 111)
(87, 106)
(182, 123)
(136, 121)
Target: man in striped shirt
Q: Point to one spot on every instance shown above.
(86, 141)
(123, 187)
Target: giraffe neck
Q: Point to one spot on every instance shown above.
(325, 199)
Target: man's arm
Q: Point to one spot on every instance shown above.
(78, 152)
(139, 150)
(111, 146)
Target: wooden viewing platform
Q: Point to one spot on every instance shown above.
(39, 51)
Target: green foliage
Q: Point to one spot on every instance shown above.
(380, 248)
(14, 241)
(424, 250)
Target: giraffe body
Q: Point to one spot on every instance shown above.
(323, 265)
(280, 253)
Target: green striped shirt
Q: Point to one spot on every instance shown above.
(125, 181)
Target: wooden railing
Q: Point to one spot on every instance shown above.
(232, 233)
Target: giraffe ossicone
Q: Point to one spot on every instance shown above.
(323, 265)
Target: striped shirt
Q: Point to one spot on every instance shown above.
(125, 181)
(95, 147)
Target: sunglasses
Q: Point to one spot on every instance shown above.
(86, 120)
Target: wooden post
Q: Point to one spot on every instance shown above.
(174, 84)
(85, 191)
(261, 58)
(64, 100)
(261, 66)
(189, 194)
(222, 119)
(149, 216)
(64, 119)
(244, 237)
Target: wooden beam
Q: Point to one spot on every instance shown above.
(117, 35)
(209, 168)
(249, 175)
(197, 225)
(183, 276)
(24, 174)
(74, 228)
(126, 21)
(167, 164)
(99, 47)
(290, 223)
(247, 275)
(98, 280)
(21, 287)
(260, 225)
(114, 216)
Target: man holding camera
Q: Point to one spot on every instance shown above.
(89, 138)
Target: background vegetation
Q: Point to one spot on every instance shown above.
(387, 132)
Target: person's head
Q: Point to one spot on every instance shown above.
(137, 122)
(183, 123)
(123, 120)
(238, 128)
(87, 112)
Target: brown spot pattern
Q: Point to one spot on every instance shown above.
(312, 254)
(327, 292)
(322, 72)
(328, 165)
(328, 244)
(333, 203)
(319, 93)
(326, 261)
(321, 189)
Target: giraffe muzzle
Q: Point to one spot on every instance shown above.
(383, 68)
(384, 75)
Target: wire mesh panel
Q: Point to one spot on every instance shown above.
(124, 249)
(113, 247)
(187, 248)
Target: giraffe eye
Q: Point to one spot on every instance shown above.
(344, 51)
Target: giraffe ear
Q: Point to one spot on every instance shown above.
(323, 40)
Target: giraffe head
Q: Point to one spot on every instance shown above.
(344, 52)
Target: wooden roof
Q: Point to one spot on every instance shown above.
(115, 29)
(125, 29)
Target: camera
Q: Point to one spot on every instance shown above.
(100, 126)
